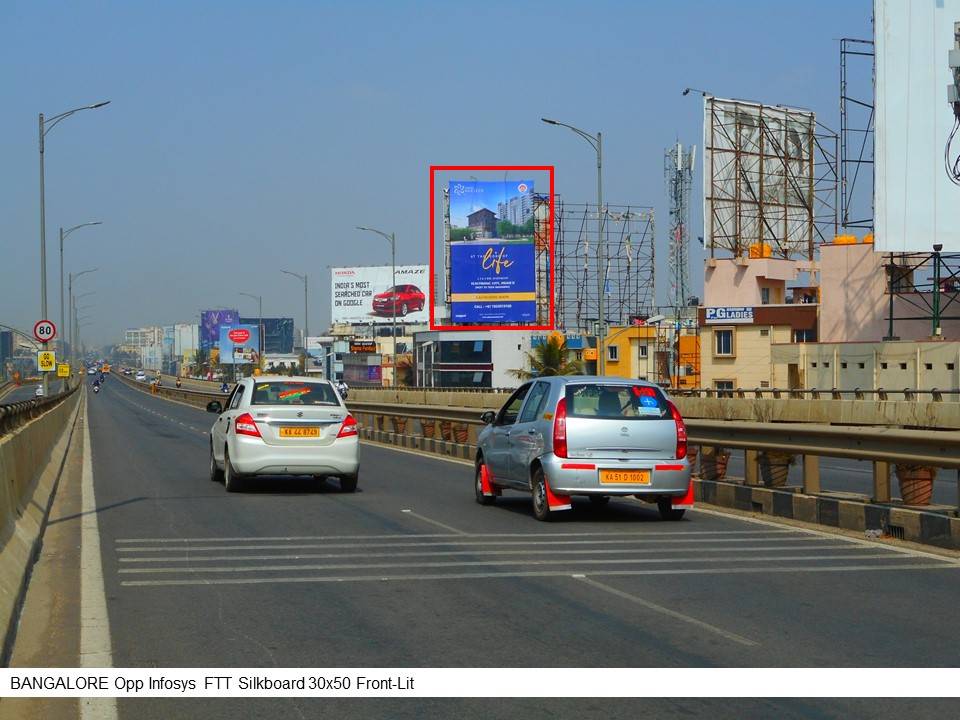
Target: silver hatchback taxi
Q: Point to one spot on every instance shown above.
(580, 435)
(278, 425)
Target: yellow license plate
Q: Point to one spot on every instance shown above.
(625, 477)
(294, 432)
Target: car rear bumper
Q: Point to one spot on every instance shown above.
(251, 456)
(582, 477)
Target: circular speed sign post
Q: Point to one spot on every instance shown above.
(44, 331)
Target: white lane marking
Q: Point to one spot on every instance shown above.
(95, 645)
(545, 573)
(833, 536)
(477, 543)
(636, 600)
(411, 513)
(454, 553)
(495, 563)
(402, 536)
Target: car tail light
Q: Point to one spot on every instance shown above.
(560, 429)
(245, 425)
(681, 431)
(349, 428)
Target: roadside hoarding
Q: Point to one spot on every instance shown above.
(368, 294)
(493, 281)
(916, 203)
(277, 333)
(210, 322)
(363, 346)
(239, 345)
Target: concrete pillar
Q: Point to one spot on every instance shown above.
(751, 467)
(881, 481)
(811, 474)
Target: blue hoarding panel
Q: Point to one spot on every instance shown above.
(493, 281)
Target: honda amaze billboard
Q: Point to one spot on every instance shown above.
(370, 295)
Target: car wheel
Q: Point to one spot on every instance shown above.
(478, 486)
(404, 309)
(231, 480)
(599, 500)
(541, 508)
(348, 483)
(216, 474)
(667, 511)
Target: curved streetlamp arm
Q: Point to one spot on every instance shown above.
(81, 225)
(594, 143)
(48, 125)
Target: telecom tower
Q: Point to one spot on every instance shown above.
(678, 175)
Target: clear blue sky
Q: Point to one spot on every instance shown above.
(245, 137)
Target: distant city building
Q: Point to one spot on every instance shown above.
(277, 333)
(6, 350)
(484, 220)
(481, 358)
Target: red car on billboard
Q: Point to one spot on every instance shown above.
(404, 298)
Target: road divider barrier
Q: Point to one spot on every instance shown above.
(34, 439)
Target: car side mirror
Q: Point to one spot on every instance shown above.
(214, 406)
(488, 417)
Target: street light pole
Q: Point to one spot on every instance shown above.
(73, 300)
(306, 317)
(260, 340)
(392, 239)
(46, 126)
(596, 142)
(63, 236)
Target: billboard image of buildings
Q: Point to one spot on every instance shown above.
(210, 322)
(917, 205)
(493, 281)
(239, 345)
(368, 294)
(490, 209)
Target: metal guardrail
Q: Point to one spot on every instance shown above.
(935, 394)
(13, 415)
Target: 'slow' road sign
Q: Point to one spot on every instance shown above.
(46, 361)
(63, 370)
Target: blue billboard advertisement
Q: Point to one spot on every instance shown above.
(239, 345)
(493, 281)
(210, 322)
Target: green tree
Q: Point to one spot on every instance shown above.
(549, 358)
(458, 234)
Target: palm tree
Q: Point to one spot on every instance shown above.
(549, 358)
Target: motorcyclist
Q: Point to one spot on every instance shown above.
(178, 381)
(224, 388)
(342, 389)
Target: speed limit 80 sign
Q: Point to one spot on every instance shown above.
(44, 331)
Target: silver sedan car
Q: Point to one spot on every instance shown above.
(601, 437)
(278, 425)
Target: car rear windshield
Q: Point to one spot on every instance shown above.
(294, 393)
(616, 402)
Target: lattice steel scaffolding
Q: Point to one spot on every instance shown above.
(630, 254)
(856, 134)
(770, 179)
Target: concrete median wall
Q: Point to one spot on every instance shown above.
(31, 460)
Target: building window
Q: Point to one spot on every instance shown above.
(903, 366)
(813, 364)
(764, 383)
(613, 353)
(723, 342)
(843, 365)
(805, 335)
(643, 351)
(949, 366)
(861, 365)
(725, 388)
(883, 366)
(764, 332)
(764, 296)
(928, 366)
(826, 364)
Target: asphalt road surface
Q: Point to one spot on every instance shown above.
(410, 571)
